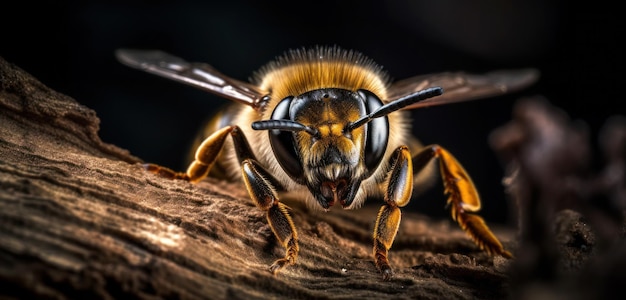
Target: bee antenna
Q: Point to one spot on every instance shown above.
(396, 105)
(286, 125)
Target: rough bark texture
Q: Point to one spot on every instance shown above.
(80, 218)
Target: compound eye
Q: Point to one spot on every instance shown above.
(283, 143)
(377, 131)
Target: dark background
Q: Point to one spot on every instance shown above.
(577, 47)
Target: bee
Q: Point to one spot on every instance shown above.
(328, 126)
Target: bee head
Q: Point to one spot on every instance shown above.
(330, 140)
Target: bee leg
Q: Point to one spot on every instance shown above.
(398, 193)
(264, 195)
(205, 157)
(260, 184)
(261, 187)
(463, 198)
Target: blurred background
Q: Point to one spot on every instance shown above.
(577, 46)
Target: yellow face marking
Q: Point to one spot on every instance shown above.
(330, 130)
(324, 131)
(336, 129)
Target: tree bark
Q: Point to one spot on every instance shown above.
(80, 218)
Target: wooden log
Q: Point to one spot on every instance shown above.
(80, 218)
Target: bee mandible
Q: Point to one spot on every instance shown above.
(327, 125)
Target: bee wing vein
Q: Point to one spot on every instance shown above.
(198, 75)
(461, 86)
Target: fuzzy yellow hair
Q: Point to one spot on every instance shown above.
(300, 71)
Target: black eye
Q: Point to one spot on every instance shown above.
(377, 131)
(283, 143)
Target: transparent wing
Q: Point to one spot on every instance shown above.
(461, 86)
(199, 75)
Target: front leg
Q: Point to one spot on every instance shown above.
(398, 194)
(264, 196)
(260, 184)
